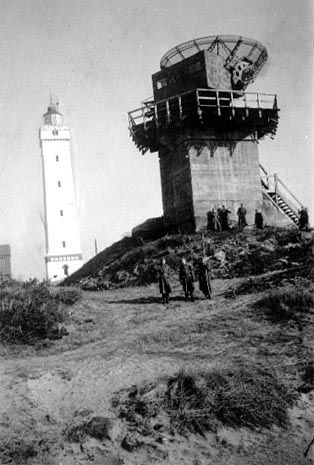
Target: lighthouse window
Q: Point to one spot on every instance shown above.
(59, 183)
(61, 212)
(63, 244)
(57, 157)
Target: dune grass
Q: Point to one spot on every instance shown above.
(199, 402)
(28, 312)
(286, 305)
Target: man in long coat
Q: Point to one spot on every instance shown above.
(187, 278)
(210, 220)
(204, 277)
(223, 217)
(303, 219)
(163, 273)
(241, 217)
(259, 220)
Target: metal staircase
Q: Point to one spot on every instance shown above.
(280, 196)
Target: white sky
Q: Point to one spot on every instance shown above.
(97, 57)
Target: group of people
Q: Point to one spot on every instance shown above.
(186, 277)
(218, 220)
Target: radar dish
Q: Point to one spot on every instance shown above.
(244, 57)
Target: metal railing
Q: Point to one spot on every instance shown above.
(274, 185)
(198, 100)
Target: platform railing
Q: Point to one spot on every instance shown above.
(179, 106)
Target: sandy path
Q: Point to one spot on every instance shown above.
(119, 338)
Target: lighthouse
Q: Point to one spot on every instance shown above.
(62, 238)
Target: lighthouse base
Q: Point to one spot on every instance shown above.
(58, 267)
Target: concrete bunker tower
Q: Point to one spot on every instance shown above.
(206, 128)
(63, 248)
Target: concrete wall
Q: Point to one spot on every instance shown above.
(226, 173)
(176, 186)
(200, 173)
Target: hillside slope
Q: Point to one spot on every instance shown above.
(131, 262)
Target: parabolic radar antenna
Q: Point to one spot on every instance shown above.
(242, 57)
(206, 126)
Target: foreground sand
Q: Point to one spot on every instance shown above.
(122, 337)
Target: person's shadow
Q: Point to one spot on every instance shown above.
(149, 300)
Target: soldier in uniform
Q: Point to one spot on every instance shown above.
(303, 219)
(210, 220)
(204, 277)
(241, 217)
(163, 273)
(187, 278)
(259, 220)
(224, 220)
(216, 220)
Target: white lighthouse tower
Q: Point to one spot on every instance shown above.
(63, 248)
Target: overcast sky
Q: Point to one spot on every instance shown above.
(97, 57)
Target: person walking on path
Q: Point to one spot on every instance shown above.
(259, 220)
(204, 277)
(241, 217)
(187, 278)
(163, 273)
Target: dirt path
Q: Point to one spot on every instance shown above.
(119, 338)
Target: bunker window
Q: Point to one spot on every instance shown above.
(161, 83)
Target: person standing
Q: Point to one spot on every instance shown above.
(241, 217)
(216, 220)
(224, 220)
(303, 219)
(187, 278)
(210, 220)
(163, 273)
(259, 220)
(204, 277)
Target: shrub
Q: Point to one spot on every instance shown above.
(68, 295)
(28, 312)
(283, 305)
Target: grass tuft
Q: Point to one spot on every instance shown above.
(198, 402)
(17, 451)
(284, 305)
(97, 427)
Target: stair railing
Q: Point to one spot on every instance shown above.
(273, 184)
(290, 193)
